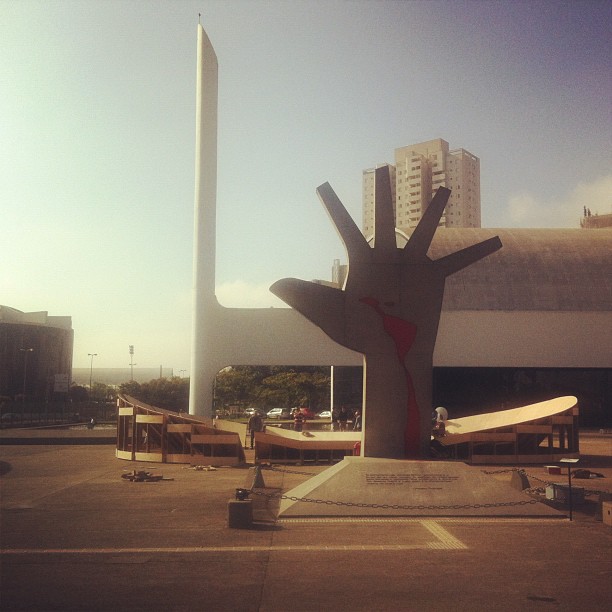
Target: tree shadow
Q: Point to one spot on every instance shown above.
(603, 461)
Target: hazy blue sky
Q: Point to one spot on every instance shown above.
(97, 114)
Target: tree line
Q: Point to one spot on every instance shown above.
(266, 387)
(240, 387)
(168, 393)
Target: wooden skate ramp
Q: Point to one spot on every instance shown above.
(538, 433)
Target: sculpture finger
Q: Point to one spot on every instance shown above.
(421, 237)
(384, 219)
(465, 257)
(320, 304)
(356, 245)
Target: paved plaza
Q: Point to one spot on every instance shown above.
(77, 536)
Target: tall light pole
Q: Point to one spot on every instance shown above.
(132, 362)
(25, 352)
(92, 355)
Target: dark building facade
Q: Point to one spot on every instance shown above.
(35, 355)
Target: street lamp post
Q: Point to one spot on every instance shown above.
(569, 463)
(132, 364)
(92, 355)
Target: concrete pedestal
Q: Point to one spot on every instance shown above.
(240, 513)
(368, 486)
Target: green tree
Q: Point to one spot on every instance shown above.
(78, 393)
(168, 393)
(238, 386)
(300, 388)
(269, 386)
(242, 386)
(102, 393)
(131, 388)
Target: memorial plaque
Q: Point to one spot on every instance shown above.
(409, 478)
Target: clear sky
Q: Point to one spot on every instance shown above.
(97, 116)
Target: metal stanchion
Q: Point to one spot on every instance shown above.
(570, 463)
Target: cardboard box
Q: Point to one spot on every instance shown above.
(552, 469)
(560, 493)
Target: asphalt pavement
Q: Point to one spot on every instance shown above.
(76, 535)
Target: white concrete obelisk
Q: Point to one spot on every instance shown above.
(228, 336)
(205, 303)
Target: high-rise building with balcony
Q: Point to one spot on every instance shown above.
(418, 171)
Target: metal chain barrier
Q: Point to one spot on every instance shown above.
(275, 469)
(532, 477)
(328, 502)
(390, 506)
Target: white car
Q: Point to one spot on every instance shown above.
(278, 413)
(326, 414)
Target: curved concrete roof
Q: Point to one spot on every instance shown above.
(10, 315)
(536, 269)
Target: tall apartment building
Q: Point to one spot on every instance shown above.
(418, 171)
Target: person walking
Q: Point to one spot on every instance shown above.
(343, 418)
(256, 423)
(357, 423)
(335, 423)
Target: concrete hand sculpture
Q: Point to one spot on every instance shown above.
(389, 310)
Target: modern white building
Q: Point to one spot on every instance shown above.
(418, 171)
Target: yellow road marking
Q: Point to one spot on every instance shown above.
(443, 541)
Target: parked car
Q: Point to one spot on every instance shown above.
(250, 411)
(307, 412)
(278, 413)
(326, 414)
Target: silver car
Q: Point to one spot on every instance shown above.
(278, 413)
